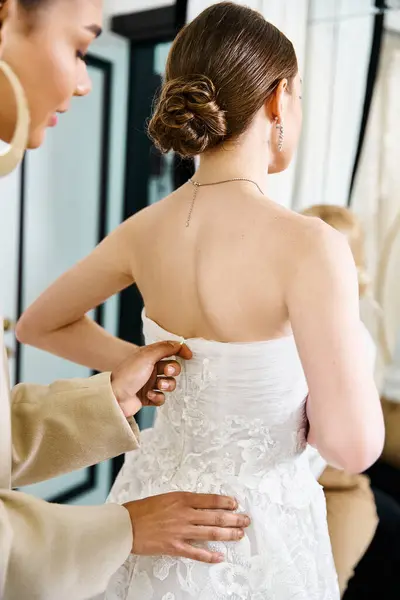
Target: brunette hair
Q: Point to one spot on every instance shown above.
(28, 5)
(32, 4)
(221, 69)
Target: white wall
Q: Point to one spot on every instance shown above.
(392, 20)
(118, 7)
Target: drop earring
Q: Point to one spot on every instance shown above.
(281, 135)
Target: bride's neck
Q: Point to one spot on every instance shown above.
(245, 158)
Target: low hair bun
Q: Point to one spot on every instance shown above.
(187, 117)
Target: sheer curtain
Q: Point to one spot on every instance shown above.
(376, 200)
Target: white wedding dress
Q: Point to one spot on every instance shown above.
(235, 425)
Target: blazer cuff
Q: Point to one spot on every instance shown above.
(103, 383)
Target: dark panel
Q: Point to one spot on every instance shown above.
(143, 85)
(371, 80)
(142, 88)
(157, 25)
(147, 26)
(184, 169)
(107, 107)
(20, 277)
(181, 8)
(73, 493)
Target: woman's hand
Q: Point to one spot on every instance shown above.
(165, 524)
(143, 377)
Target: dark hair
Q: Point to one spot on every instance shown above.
(31, 4)
(25, 3)
(221, 69)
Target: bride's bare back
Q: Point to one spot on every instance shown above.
(225, 276)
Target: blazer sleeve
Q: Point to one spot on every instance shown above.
(66, 426)
(49, 551)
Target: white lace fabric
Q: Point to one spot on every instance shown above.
(235, 425)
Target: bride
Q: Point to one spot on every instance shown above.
(266, 299)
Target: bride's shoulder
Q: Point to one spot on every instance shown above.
(315, 237)
(322, 253)
(305, 234)
(147, 216)
(309, 245)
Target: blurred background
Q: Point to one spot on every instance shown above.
(98, 167)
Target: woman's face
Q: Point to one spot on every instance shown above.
(45, 46)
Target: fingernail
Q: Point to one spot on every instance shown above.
(220, 558)
(170, 370)
(241, 533)
(151, 395)
(247, 521)
(163, 385)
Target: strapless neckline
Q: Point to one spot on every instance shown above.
(158, 332)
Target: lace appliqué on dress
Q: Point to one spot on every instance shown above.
(214, 437)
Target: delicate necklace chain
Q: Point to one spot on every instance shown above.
(198, 185)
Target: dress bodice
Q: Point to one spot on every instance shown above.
(238, 411)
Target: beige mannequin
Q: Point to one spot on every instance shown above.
(352, 518)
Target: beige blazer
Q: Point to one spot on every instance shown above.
(48, 551)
